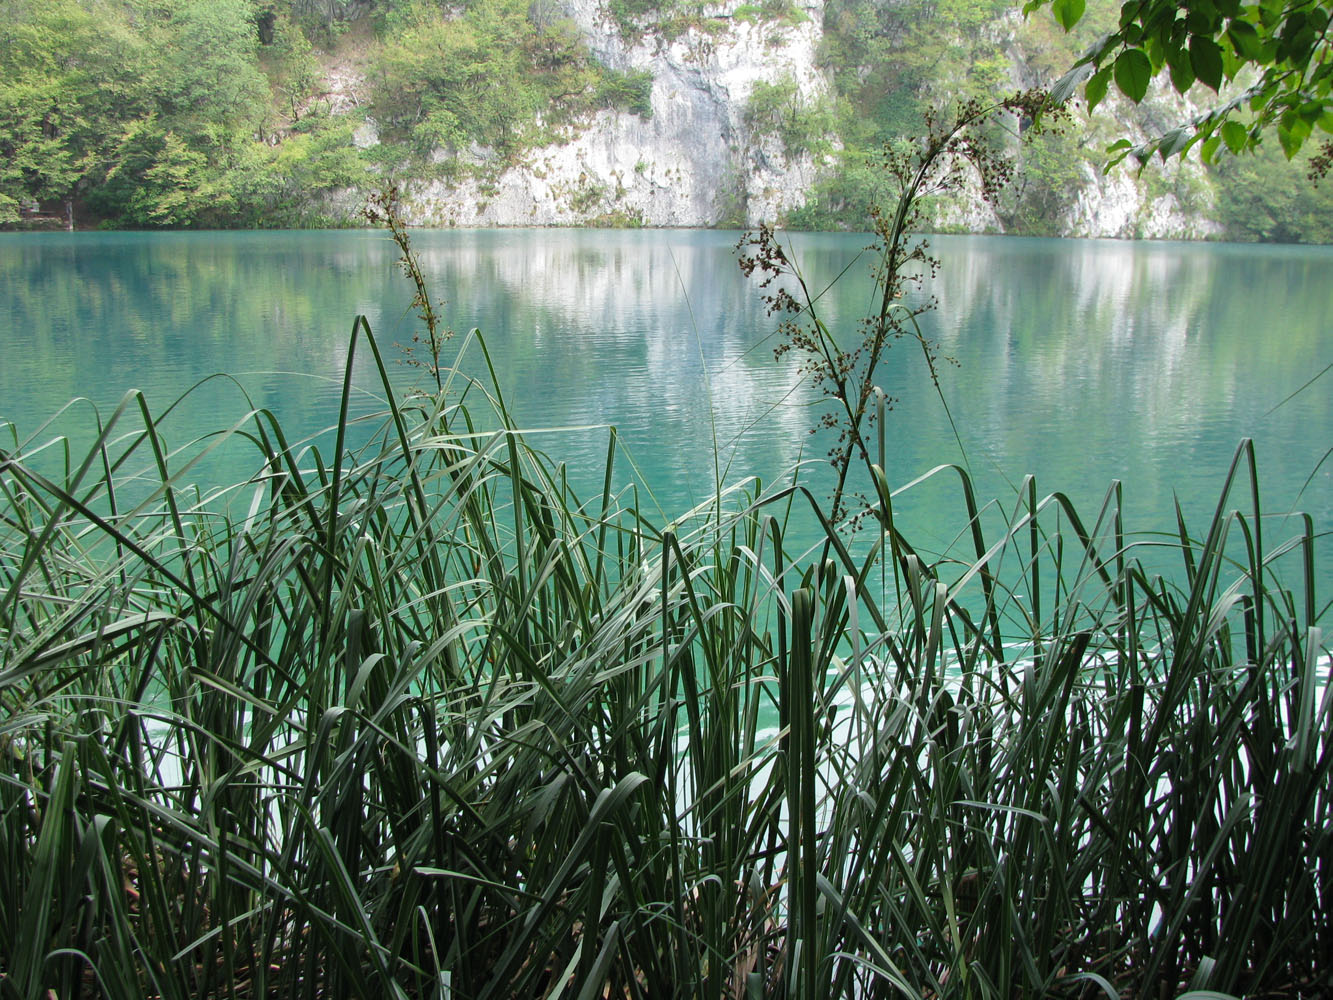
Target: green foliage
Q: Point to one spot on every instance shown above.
(168, 182)
(488, 75)
(1272, 57)
(892, 64)
(617, 218)
(209, 71)
(631, 91)
(159, 114)
(67, 78)
(457, 79)
(273, 185)
(1264, 197)
(200, 113)
(629, 15)
(801, 125)
(779, 11)
(669, 19)
(843, 198)
(326, 19)
(291, 64)
(913, 47)
(195, 112)
(1051, 169)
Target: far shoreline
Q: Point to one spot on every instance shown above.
(50, 225)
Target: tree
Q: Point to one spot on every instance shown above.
(1269, 61)
(210, 72)
(1261, 198)
(69, 75)
(778, 108)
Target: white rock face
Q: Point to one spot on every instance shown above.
(1122, 205)
(1116, 206)
(367, 134)
(696, 163)
(693, 163)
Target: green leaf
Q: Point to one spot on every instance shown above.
(1172, 143)
(1156, 52)
(1097, 86)
(1235, 136)
(1297, 40)
(1206, 60)
(1132, 73)
(1290, 144)
(1231, 63)
(1068, 12)
(1295, 23)
(1116, 152)
(1210, 148)
(1182, 73)
(1245, 40)
(1292, 133)
(1325, 120)
(1202, 17)
(1065, 86)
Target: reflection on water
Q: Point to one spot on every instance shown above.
(1078, 361)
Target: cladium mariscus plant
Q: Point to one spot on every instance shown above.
(962, 151)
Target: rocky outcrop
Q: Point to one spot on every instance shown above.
(1163, 201)
(693, 162)
(697, 162)
(1120, 206)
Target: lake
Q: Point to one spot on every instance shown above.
(1080, 362)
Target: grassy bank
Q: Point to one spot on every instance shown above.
(413, 720)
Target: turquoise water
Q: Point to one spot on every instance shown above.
(1079, 362)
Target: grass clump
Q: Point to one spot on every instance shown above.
(414, 719)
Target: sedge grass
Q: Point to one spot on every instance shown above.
(414, 720)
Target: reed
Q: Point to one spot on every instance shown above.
(413, 719)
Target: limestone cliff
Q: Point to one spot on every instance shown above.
(693, 162)
(698, 160)
(1164, 201)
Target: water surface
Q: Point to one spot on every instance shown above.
(1079, 362)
